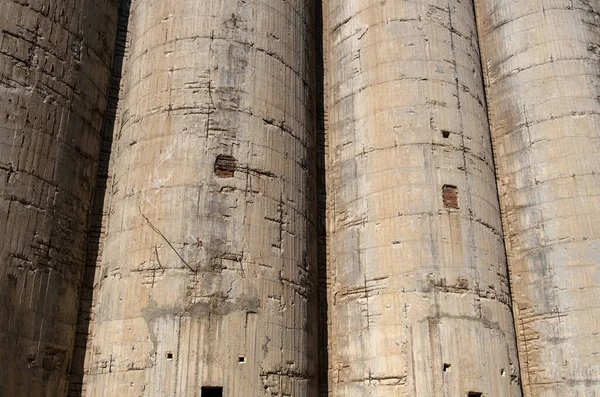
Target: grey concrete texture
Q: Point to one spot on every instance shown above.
(207, 275)
(541, 65)
(54, 67)
(404, 204)
(419, 293)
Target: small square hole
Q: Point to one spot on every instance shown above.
(241, 359)
(474, 394)
(211, 391)
(447, 367)
(445, 133)
(169, 355)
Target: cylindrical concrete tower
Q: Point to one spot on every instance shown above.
(207, 282)
(420, 302)
(55, 58)
(543, 83)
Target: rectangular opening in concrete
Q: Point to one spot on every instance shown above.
(211, 391)
(450, 196)
(474, 394)
(445, 133)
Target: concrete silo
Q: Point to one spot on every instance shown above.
(541, 64)
(55, 59)
(207, 281)
(420, 302)
(448, 198)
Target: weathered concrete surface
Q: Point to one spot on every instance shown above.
(54, 65)
(208, 264)
(322, 188)
(420, 300)
(97, 219)
(542, 72)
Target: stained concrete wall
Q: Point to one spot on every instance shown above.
(542, 72)
(54, 65)
(208, 266)
(420, 302)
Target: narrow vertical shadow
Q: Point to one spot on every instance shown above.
(95, 231)
(321, 206)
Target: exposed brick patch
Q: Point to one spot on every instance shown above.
(450, 196)
(225, 166)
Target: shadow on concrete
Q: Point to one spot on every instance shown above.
(96, 219)
(323, 359)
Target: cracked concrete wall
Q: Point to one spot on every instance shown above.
(54, 68)
(207, 274)
(542, 74)
(420, 303)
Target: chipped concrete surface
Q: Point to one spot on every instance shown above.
(417, 265)
(208, 252)
(542, 72)
(299, 198)
(54, 69)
